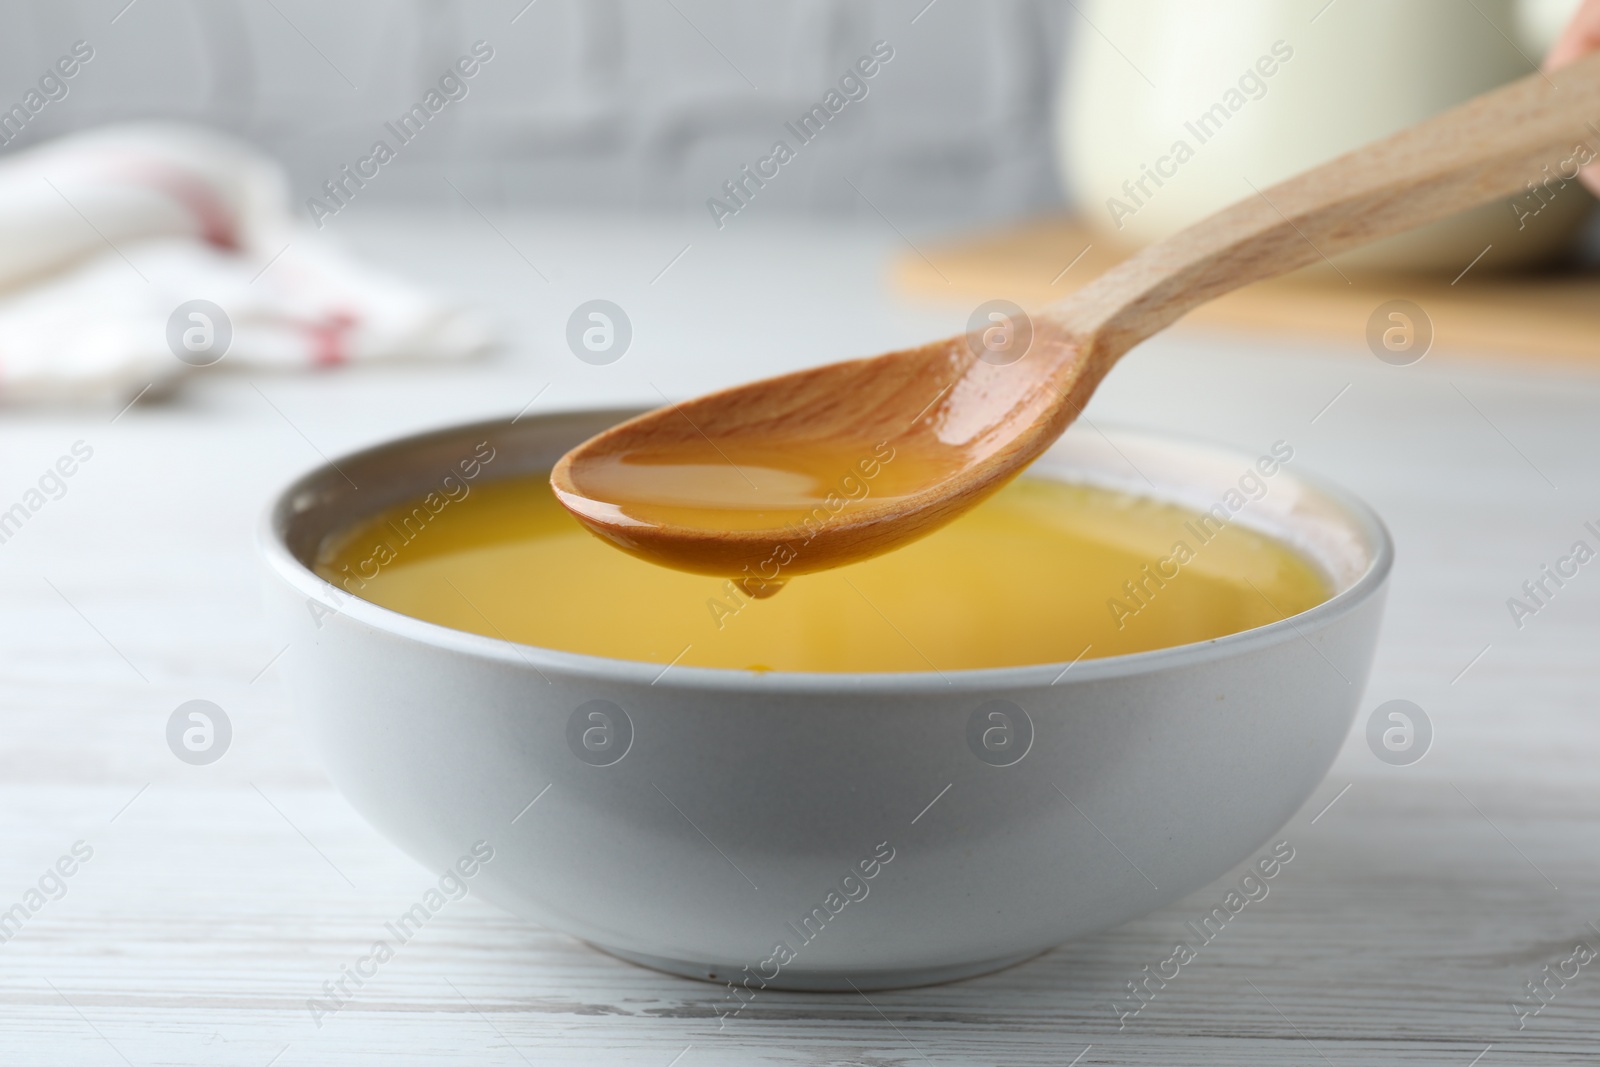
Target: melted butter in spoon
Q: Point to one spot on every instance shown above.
(792, 492)
(751, 489)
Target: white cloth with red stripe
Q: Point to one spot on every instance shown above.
(104, 235)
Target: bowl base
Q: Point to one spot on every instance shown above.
(851, 981)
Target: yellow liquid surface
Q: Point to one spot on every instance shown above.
(742, 486)
(1042, 572)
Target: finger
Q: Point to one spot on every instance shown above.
(1581, 37)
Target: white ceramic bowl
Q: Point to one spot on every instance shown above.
(741, 801)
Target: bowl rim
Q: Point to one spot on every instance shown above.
(302, 579)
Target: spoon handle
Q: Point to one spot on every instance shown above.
(1499, 144)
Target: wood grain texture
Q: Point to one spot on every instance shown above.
(216, 904)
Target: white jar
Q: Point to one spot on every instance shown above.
(1173, 109)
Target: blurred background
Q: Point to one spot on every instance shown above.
(987, 140)
(589, 103)
(653, 104)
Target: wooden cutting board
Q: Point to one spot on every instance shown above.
(1555, 314)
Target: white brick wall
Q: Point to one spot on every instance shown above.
(587, 102)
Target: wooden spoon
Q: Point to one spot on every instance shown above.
(830, 465)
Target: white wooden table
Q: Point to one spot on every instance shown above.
(219, 899)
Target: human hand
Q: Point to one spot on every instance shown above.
(1581, 37)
